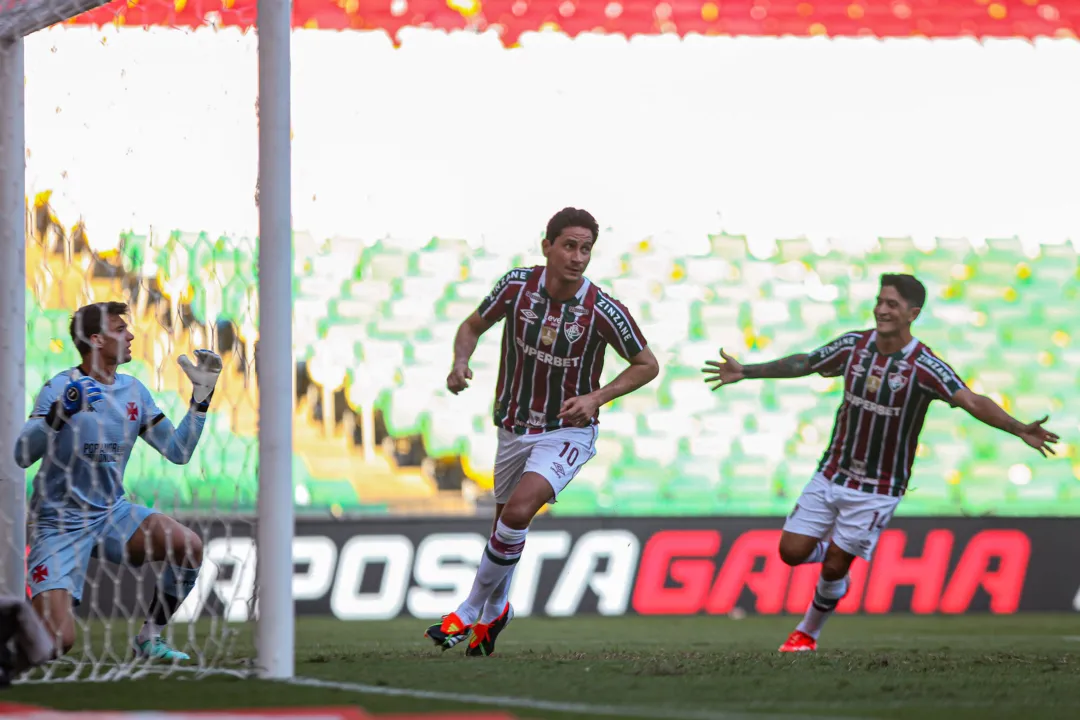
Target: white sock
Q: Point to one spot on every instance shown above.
(496, 603)
(826, 597)
(501, 554)
(149, 630)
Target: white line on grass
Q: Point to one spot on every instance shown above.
(524, 703)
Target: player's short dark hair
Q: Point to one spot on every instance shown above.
(909, 287)
(571, 217)
(90, 320)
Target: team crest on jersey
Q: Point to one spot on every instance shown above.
(548, 334)
(573, 332)
(536, 419)
(897, 382)
(132, 411)
(873, 383)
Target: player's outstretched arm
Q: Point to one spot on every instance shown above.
(468, 335)
(177, 444)
(642, 370)
(987, 411)
(732, 371)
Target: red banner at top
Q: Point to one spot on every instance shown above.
(511, 18)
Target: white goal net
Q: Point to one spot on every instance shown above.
(132, 193)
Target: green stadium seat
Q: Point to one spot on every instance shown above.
(578, 499)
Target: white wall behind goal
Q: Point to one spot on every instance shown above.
(453, 135)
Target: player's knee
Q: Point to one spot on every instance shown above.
(516, 515)
(794, 551)
(193, 550)
(791, 556)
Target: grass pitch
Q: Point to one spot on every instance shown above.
(932, 668)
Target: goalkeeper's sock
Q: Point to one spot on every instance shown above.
(149, 631)
(178, 580)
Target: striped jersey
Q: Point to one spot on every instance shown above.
(552, 351)
(885, 401)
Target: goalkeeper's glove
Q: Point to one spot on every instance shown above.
(80, 395)
(203, 374)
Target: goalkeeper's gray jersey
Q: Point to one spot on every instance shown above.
(82, 469)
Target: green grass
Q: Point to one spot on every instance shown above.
(948, 668)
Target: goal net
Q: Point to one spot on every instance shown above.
(134, 193)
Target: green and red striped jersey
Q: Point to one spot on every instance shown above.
(552, 351)
(885, 401)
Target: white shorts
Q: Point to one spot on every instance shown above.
(855, 518)
(558, 455)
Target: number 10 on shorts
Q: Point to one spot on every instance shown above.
(569, 453)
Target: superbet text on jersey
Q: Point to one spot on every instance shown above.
(885, 402)
(552, 351)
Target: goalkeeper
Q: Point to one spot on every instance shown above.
(84, 425)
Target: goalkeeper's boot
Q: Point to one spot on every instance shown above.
(449, 632)
(799, 641)
(155, 648)
(482, 642)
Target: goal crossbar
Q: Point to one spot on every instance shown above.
(19, 18)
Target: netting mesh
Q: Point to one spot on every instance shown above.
(115, 180)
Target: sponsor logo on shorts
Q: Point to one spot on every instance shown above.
(558, 469)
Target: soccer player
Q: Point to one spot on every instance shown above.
(890, 378)
(547, 402)
(84, 424)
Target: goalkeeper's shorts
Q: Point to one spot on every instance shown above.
(60, 556)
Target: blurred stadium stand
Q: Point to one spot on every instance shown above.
(378, 296)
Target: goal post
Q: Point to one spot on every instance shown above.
(12, 315)
(274, 357)
(274, 367)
